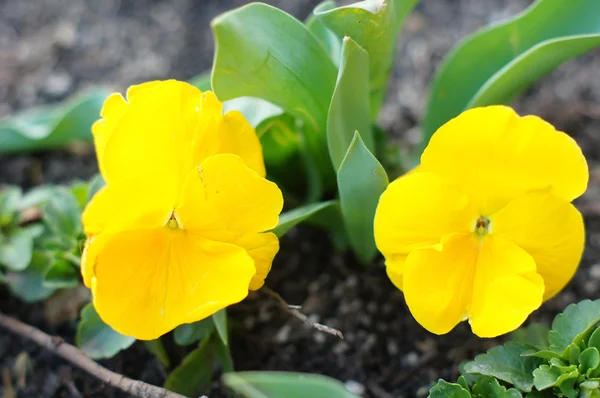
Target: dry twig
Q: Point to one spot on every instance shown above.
(295, 311)
(76, 357)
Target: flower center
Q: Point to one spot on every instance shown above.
(482, 226)
(173, 222)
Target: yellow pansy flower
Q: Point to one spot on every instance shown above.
(178, 232)
(484, 229)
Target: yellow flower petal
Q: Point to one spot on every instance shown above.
(224, 194)
(129, 204)
(506, 288)
(150, 281)
(394, 266)
(550, 229)
(262, 247)
(496, 156)
(417, 210)
(112, 109)
(438, 282)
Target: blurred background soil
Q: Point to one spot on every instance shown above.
(50, 49)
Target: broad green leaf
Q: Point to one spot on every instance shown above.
(220, 320)
(96, 338)
(189, 333)
(534, 334)
(10, 199)
(594, 340)
(349, 108)
(255, 110)
(52, 127)
(574, 325)
(223, 356)
(202, 81)
(506, 363)
(547, 376)
(489, 387)
(16, 249)
(37, 196)
(79, 189)
(280, 141)
(157, 348)
(375, 25)
(62, 274)
(63, 214)
(285, 385)
(28, 285)
(291, 218)
(260, 51)
(443, 389)
(361, 181)
(589, 359)
(510, 57)
(328, 39)
(95, 184)
(195, 372)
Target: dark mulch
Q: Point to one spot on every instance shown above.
(50, 49)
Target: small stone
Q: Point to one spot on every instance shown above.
(319, 338)
(283, 334)
(57, 84)
(595, 271)
(411, 359)
(355, 387)
(392, 347)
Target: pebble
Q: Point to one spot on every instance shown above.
(57, 84)
(283, 334)
(595, 271)
(411, 359)
(355, 387)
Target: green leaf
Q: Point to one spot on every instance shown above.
(506, 363)
(255, 110)
(37, 196)
(375, 25)
(52, 127)
(361, 181)
(328, 39)
(62, 274)
(189, 333)
(510, 57)
(443, 389)
(96, 338)
(489, 387)
(285, 385)
(223, 356)
(95, 184)
(291, 218)
(589, 359)
(79, 189)
(260, 51)
(202, 81)
(157, 348)
(16, 249)
(10, 199)
(63, 214)
(547, 376)
(349, 108)
(220, 320)
(28, 285)
(534, 334)
(195, 372)
(594, 340)
(574, 325)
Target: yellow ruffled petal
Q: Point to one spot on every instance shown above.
(550, 229)
(153, 135)
(438, 282)
(496, 156)
(417, 210)
(112, 109)
(129, 204)
(394, 266)
(230, 133)
(150, 281)
(226, 195)
(506, 288)
(262, 247)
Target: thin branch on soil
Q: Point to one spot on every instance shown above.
(295, 311)
(78, 358)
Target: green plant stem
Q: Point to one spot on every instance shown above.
(70, 353)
